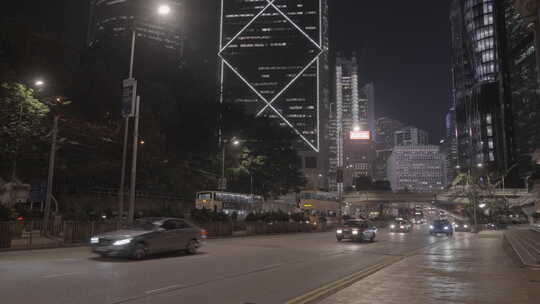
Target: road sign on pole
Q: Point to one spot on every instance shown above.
(129, 96)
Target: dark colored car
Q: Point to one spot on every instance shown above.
(462, 227)
(400, 226)
(441, 227)
(492, 226)
(356, 230)
(148, 236)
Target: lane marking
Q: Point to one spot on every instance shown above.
(340, 284)
(166, 288)
(335, 286)
(51, 276)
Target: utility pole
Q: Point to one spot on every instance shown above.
(131, 212)
(50, 178)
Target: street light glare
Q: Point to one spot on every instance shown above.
(236, 142)
(356, 128)
(164, 9)
(480, 165)
(39, 83)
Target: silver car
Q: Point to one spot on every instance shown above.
(148, 236)
(356, 230)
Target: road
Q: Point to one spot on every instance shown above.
(262, 269)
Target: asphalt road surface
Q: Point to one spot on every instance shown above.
(257, 270)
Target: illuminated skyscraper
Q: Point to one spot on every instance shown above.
(274, 62)
(480, 88)
(351, 124)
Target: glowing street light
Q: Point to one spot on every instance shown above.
(164, 9)
(236, 142)
(480, 165)
(482, 206)
(356, 128)
(39, 83)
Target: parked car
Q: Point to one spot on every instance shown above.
(462, 227)
(356, 230)
(400, 226)
(148, 236)
(441, 227)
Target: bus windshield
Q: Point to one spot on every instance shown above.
(205, 196)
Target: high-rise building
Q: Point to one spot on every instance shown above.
(410, 136)
(384, 142)
(274, 62)
(480, 90)
(522, 75)
(449, 145)
(117, 19)
(417, 169)
(350, 124)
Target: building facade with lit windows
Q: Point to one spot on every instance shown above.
(523, 83)
(384, 143)
(481, 94)
(117, 18)
(274, 62)
(351, 124)
(416, 169)
(410, 136)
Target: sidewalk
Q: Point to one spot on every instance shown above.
(469, 269)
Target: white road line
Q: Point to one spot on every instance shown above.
(60, 275)
(163, 289)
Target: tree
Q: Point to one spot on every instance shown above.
(22, 118)
(363, 183)
(269, 159)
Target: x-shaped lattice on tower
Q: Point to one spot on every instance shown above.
(270, 100)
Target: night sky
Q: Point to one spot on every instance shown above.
(404, 50)
(403, 47)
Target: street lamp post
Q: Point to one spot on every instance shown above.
(162, 10)
(50, 176)
(126, 133)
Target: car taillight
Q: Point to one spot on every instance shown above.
(204, 233)
(20, 218)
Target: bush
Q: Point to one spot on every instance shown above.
(299, 217)
(206, 216)
(6, 214)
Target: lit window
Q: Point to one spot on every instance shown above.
(489, 131)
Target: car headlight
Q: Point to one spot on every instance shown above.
(355, 232)
(430, 226)
(339, 231)
(465, 226)
(122, 242)
(94, 240)
(445, 227)
(392, 226)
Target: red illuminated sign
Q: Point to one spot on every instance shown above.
(360, 135)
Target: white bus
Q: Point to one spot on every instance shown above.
(228, 203)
